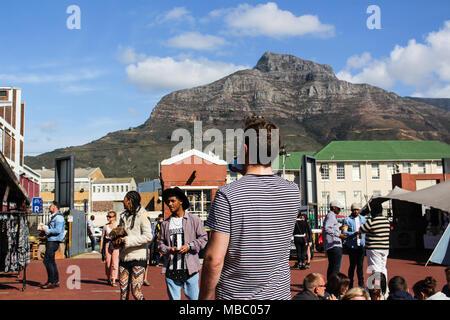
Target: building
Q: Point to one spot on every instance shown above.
(108, 193)
(12, 127)
(12, 132)
(292, 166)
(199, 174)
(83, 180)
(149, 186)
(354, 171)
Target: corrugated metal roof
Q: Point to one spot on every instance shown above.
(384, 150)
(293, 162)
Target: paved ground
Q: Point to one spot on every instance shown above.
(94, 287)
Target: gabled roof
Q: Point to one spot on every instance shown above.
(193, 152)
(292, 163)
(384, 150)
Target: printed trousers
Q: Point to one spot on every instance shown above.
(131, 277)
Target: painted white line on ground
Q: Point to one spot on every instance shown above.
(105, 290)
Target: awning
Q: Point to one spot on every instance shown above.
(17, 194)
(437, 196)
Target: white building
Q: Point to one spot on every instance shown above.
(354, 171)
(108, 193)
(12, 127)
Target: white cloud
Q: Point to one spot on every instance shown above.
(37, 78)
(196, 41)
(177, 14)
(156, 74)
(128, 55)
(268, 20)
(424, 66)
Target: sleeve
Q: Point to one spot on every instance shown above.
(58, 229)
(365, 228)
(330, 226)
(163, 248)
(201, 238)
(145, 236)
(219, 218)
(347, 222)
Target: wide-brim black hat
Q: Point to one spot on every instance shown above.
(176, 192)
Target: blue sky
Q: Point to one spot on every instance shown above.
(80, 84)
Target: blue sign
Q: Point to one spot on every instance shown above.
(37, 205)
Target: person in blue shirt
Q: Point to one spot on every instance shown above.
(55, 235)
(355, 244)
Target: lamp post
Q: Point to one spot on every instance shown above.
(284, 154)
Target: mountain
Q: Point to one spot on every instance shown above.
(309, 103)
(443, 103)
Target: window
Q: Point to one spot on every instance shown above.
(3, 93)
(390, 170)
(341, 198)
(103, 189)
(406, 167)
(126, 188)
(356, 172)
(325, 198)
(107, 188)
(93, 189)
(439, 167)
(121, 188)
(357, 197)
(422, 168)
(340, 171)
(375, 171)
(113, 188)
(325, 171)
(376, 193)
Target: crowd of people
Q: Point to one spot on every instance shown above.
(251, 222)
(338, 288)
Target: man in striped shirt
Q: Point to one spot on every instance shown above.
(377, 230)
(252, 221)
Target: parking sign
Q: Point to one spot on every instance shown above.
(37, 205)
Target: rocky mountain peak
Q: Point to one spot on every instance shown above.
(284, 63)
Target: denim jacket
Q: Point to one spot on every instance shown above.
(352, 242)
(56, 228)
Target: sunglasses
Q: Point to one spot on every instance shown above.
(109, 217)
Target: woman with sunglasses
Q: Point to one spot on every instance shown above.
(110, 255)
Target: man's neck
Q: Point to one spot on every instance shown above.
(178, 214)
(258, 170)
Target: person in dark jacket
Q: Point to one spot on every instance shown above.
(313, 288)
(302, 236)
(398, 289)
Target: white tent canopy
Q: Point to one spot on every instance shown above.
(437, 196)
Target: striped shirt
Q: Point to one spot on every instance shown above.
(377, 231)
(258, 212)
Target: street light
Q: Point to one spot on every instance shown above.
(284, 154)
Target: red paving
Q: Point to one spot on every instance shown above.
(94, 287)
